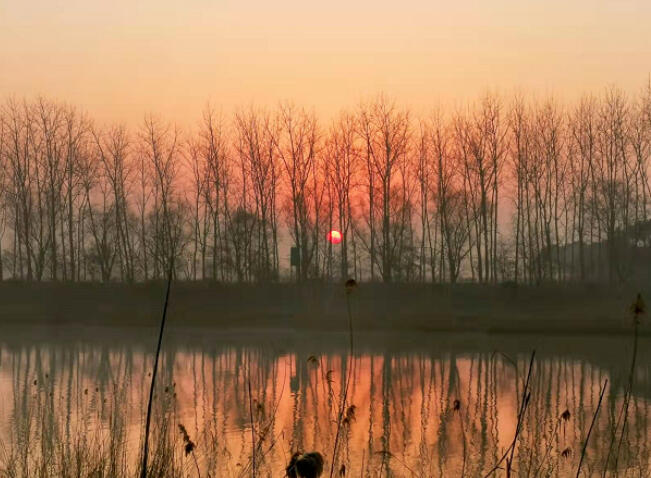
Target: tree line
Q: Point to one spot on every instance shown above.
(503, 189)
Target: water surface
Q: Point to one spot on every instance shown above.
(417, 404)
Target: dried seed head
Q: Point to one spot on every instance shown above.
(350, 413)
(305, 465)
(189, 447)
(638, 307)
(565, 416)
(351, 285)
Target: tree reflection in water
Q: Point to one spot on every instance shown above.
(445, 407)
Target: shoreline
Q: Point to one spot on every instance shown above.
(471, 308)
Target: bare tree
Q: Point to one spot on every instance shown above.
(415, 200)
(296, 145)
(385, 132)
(257, 135)
(113, 149)
(583, 155)
(160, 146)
(451, 203)
(101, 216)
(5, 204)
(612, 193)
(340, 167)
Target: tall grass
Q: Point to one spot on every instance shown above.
(350, 286)
(587, 438)
(145, 453)
(638, 309)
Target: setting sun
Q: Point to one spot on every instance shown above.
(334, 237)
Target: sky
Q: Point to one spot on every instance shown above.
(122, 59)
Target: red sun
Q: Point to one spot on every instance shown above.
(334, 237)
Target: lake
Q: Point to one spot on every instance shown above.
(73, 402)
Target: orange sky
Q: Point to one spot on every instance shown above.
(121, 58)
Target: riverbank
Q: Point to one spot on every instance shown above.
(317, 306)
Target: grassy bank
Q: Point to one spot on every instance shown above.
(464, 307)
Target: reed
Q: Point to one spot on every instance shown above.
(524, 403)
(350, 286)
(145, 453)
(638, 308)
(594, 419)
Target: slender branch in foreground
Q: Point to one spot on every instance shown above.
(350, 286)
(548, 449)
(508, 454)
(253, 469)
(143, 472)
(637, 308)
(594, 419)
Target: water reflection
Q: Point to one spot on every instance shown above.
(422, 406)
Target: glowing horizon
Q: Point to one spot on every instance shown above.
(120, 61)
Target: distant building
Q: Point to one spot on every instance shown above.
(629, 256)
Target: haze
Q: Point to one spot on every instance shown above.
(120, 59)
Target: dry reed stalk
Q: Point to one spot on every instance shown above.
(508, 455)
(350, 286)
(594, 419)
(143, 473)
